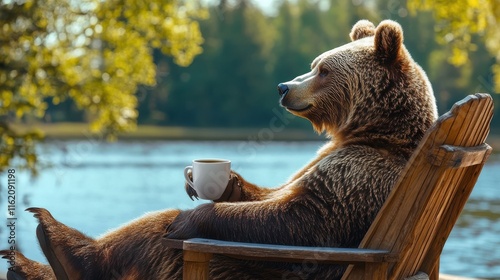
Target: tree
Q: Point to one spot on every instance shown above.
(95, 53)
(231, 84)
(457, 22)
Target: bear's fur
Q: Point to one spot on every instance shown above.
(368, 96)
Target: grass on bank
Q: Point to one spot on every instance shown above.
(152, 132)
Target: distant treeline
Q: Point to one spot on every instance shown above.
(247, 52)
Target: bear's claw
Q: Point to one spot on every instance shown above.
(4, 254)
(39, 213)
(7, 254)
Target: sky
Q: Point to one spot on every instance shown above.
(266, 5)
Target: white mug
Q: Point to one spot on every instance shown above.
(210, 177)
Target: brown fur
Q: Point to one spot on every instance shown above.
(28, 268)
(375, 103)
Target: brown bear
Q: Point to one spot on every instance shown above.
(368, 96)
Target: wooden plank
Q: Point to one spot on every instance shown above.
(451, 214)
(422, 226)
(257, 251)
(460, 156)
(434, 275)
(173, 243)
(428, 224)
(376, 271)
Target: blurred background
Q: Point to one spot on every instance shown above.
(103, 103)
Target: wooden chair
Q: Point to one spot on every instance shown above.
(410, 230)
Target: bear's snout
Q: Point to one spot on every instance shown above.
(282, 89)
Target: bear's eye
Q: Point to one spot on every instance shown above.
(323, 72)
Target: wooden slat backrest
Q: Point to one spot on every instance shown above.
(426, 201)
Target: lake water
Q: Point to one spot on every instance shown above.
(95, 187)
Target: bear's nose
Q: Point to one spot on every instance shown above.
(282, 89)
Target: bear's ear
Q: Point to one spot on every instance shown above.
(362, 29)
(388, 41)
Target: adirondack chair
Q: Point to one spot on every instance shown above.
(409, 232)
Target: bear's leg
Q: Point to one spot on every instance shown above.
(138, 249)
(133, 251)
(26, 269)
(65, 248)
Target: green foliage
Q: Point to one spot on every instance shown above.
(234, 71)
(458, 21)
(95, 53)
(14, 144)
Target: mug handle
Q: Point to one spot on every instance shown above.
(188, 180)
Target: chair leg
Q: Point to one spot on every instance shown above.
(196, 265)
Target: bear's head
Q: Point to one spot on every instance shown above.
(369, 91)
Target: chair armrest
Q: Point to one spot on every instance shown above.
(271, 252)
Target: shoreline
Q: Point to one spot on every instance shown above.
(77, 131)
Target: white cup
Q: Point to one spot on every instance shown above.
(210, 177)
